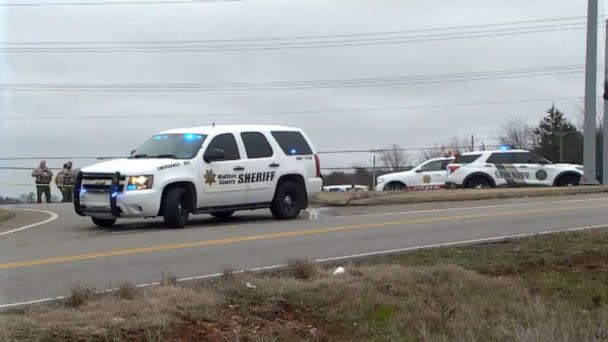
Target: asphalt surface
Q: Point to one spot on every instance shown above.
(46, 260)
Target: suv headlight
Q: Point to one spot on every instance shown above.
(380, 180)
(139, 182)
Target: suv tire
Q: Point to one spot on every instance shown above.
(100, 222)
(478, 182)
(568, 180)
(395, 186)
(175, 208)
(288, 200)
(224, 215)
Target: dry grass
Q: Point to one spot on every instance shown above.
(80, 294)
(127, 291)
(302, 268)
(480, 293)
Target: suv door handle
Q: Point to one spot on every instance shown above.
(238, 168)
(523, 167)
(274, 165)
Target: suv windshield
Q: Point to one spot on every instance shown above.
(177, 146)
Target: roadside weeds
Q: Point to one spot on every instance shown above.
(552, 287)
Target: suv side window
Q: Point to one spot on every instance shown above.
(256, 145)
(227, 143)
(445, 163)
(292, 143)
(432, 166)
(526, 158)
(504, 158)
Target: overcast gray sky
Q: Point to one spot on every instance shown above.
(423, 126)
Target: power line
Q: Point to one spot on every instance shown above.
(306, 37)
(300, 45)
(378, 150)
(103, 3)
(296, 85)
(303, 112)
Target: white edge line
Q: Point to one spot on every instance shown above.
(53, 217)
(338, 258)
(458, 209)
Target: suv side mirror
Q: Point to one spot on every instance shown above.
(214, 155)
(133, 152)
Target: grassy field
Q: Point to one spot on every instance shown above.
(546, 288)
(6, 215)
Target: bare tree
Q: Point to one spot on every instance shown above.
(454, 145)
(394, 158)
(517, 133)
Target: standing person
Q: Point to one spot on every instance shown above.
(65, 182)
(43, 176)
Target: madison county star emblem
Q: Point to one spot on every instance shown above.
(209, 177)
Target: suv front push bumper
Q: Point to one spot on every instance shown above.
(113, 194)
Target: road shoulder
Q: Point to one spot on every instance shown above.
(372, 198)
(18, 218)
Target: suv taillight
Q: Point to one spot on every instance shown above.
(453, 168)
(318, 165)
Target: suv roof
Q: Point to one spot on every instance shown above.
(226, 128)
(493, 151)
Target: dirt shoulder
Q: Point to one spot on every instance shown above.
(551, 287)
(18, 218)
(6, 215)
(393, 198)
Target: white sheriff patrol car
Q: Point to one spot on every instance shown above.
(214, 170)
(431, 173)
(509, 168)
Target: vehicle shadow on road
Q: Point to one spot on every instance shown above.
(204, 222)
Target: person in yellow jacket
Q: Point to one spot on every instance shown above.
(43, 176)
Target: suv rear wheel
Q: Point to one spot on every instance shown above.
(288, 201)
(100, 222)
(478, 183)
(222, 214)
(175, 208)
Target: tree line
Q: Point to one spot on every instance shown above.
(554, 137)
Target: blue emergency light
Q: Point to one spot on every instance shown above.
(505, 147)
(191, 137)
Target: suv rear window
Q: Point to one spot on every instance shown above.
(466, 159)
(292, 143)
(507, 158)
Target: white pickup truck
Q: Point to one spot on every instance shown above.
(212, 169)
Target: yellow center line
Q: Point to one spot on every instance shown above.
(295, 233)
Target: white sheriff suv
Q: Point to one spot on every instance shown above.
(214, 169)
(431, 173)
(509, 168)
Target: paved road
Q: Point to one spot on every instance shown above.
(47, 260)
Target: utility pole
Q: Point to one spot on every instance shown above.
(605, 123)
(374, 172)
(590, 93)
(472, 143)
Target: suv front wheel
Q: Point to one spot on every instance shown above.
(288, 201)
(100, 222)
(175, 208)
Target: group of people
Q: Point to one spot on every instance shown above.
(65, 182)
